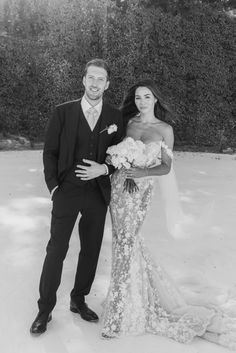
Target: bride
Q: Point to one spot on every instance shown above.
(142, 297)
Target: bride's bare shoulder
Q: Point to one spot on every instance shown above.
(165, 128)
(166, 131)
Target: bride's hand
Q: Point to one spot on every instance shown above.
(137, 172)
(108, 159)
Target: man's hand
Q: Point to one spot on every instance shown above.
(90, 172)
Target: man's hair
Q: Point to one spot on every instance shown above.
(99, 63)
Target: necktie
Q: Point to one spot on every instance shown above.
(92, 114)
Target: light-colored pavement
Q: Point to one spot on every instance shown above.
(203, 264)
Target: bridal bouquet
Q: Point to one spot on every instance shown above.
(126, 154)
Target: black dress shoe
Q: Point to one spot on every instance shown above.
(40, 323)
(84, 311)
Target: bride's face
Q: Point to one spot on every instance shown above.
(144, 100)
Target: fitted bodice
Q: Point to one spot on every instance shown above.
(152, 150)
(150, 153)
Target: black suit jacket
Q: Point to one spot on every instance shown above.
(60, 141)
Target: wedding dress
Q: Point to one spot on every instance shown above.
(142, 298)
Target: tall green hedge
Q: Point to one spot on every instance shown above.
(191, 56)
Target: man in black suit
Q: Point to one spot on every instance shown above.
(77, 177)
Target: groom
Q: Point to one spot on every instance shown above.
(77, 176)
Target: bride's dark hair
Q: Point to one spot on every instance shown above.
(129, 109)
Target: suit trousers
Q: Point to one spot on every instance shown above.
(68, 201)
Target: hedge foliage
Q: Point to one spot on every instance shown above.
(190, 54)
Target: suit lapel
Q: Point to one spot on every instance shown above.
(103, 125)
(72, 127)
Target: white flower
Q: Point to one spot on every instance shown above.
(112, 128)
(127, 153)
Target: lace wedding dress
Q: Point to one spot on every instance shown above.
(142, 297)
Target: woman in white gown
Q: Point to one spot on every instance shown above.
(142, 297)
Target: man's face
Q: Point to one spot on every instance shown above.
(95, 82)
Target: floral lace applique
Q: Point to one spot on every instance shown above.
(168, 151)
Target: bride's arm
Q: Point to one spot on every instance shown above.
(166, 153)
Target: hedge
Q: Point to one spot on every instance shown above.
(45, 45)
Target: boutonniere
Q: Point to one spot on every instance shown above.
(110, 129)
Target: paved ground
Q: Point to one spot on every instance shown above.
(203, 264)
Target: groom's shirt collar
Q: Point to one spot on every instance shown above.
(85, 105)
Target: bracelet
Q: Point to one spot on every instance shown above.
(106, 168)
(146, 169)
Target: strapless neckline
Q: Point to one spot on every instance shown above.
(146, 143)
(161, 144)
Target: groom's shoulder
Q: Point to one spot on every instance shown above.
(68, 104)
(111, 108)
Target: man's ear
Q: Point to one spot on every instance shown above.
(107, 85)
(83, 80)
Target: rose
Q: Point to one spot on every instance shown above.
(110, 129)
